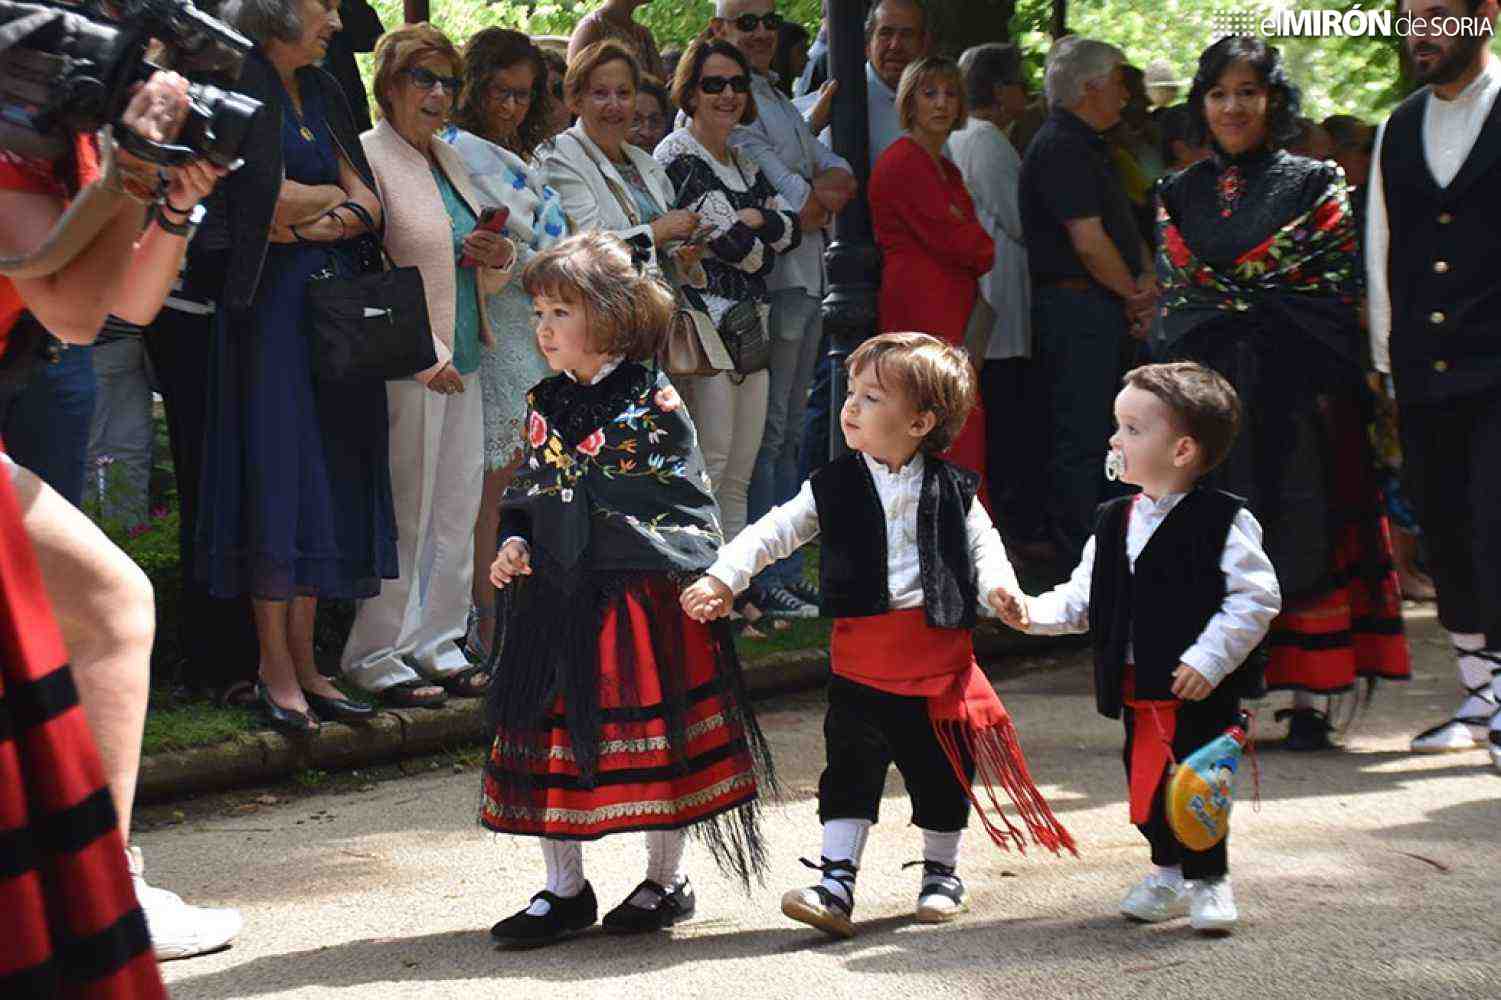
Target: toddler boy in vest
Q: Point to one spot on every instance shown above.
(1177, 593)
(907, 557)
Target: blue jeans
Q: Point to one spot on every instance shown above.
(1080, 339)
(46, 428)
(796, 330)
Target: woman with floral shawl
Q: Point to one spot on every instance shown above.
(612, 710)
(1261, 280)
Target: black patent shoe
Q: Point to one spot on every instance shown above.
(667, 908)
(339, 709)
(564, 918)
(1307, 729)
(285, 720)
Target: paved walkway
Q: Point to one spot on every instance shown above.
(1366, 873)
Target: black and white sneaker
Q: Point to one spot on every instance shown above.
(805, 593)
(821, 907)
(779, 602)
(942, 896)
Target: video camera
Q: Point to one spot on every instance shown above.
(66, 69)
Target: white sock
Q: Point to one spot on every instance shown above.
(1475, 672)
(565, 872)
(941, 847)
(664, 863)
(1171, 875)
(1303, 699)
(844, 840)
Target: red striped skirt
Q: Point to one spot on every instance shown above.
(1325, 643)
(653, 772)
(70, 926)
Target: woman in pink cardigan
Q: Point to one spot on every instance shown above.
(404, 642)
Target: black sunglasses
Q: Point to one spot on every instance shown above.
(425, 79)
(716, 84)
(771, 22)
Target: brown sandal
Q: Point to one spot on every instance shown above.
(404, 695)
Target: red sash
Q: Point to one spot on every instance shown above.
(900, 653)
(1154, 725)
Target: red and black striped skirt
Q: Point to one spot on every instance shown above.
(70, 926)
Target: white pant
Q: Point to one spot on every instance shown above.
(730, 418)
(437, 471)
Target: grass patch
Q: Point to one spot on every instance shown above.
(807, 633)
(179, 727)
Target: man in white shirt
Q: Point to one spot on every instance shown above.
(816, 183)
(1435, 325)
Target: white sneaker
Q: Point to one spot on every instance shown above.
(942, 896)
(1212, 906)
(1447, 737)
(177, 929)
(1156, 898)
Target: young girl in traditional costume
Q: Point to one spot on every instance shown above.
(612, 710)
(907, 559)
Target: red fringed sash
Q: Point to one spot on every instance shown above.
(1154, 726)
(901, 654)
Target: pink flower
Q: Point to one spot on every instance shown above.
(667, 399)
(590, 445)
(536, 429)
(157, 513)
(137, 530)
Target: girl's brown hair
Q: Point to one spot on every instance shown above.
(628, 311)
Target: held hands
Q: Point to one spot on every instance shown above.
(1011, 607)
(707, 599)
(1189, 684)
(514, 559)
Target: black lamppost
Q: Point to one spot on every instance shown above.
(849, 309)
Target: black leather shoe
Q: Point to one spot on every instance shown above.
(669, 907)
(284, 720)
(1307, 730)
(565, 918)
(339, 709)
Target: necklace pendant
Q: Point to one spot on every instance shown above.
(307, 133)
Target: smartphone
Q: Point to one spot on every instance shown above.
(491, 220)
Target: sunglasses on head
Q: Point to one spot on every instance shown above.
(716, 84)
(425, 79)
(771, 21)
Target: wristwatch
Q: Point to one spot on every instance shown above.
(183, 229)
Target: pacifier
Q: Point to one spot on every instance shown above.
(1115, 464)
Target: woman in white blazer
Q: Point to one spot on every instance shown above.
(404, 642)
(605, 183)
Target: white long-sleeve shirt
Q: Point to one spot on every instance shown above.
(795, 523)
(1252, 596)
(1450, 129)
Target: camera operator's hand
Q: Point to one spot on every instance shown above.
(158, 107)
(190, 183)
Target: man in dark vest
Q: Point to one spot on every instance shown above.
(1435, 320)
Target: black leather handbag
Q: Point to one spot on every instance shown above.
(746, 338)
(373, 325)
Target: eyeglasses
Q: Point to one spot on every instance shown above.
(771, 21)
(716, 84)
(503, 94)
(425, 79)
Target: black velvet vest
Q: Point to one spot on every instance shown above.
(1446, 299)
(1162, 607)
(853, 560)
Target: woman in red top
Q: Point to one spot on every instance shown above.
(932, 243)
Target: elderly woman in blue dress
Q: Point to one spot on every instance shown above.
(501, 118)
